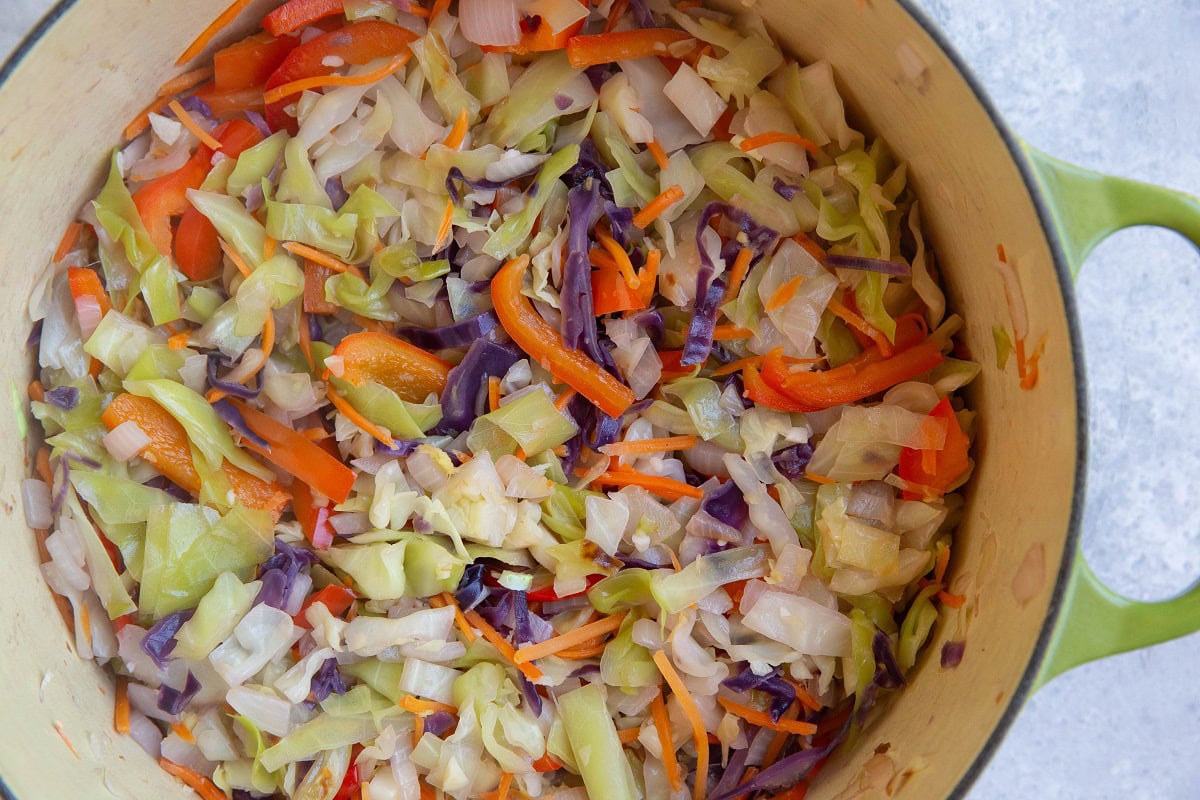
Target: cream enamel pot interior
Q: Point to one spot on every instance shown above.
(1014, 557)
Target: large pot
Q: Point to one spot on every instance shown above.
(1034, 607)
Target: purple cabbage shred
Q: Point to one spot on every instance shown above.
(457, 334)
(226, 411)
(336, 192)
(792, 461)
(64, 398)
(439, 722)
(471, 590)
(174, 701)
(462, 399)
(160, 639)
(868, 264)
(785, 190)
(216, 361)
(952, 654)
(887, 670)
(327, 681)
(279, 571)
(727, 505)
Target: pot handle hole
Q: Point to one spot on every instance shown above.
(1095, 621)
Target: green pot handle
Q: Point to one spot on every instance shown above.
(1095, 621)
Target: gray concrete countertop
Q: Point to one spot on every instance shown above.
(1113, 86)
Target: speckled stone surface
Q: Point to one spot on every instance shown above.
(1114, 86)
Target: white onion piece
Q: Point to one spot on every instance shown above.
(252, 361)
(35, 499)
(351, 522)
(695, 99)
(125, 441)
(297, 593)
(335, 365)
(490, 22)
(262, 706)
(147, 169)
(512, 164)
(425, 471)
(68, 555)
(194, 372)
(145, 733)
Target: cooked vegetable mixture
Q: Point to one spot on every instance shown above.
(498, 399)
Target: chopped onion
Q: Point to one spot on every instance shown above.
(252, 361)
(126, 440)
(262, 706)
(351, 522)
(335, 365)
(35, 498)
(490, 22)
(87, 309)
(145, 733)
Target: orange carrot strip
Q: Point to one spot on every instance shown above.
(286, 90)
(493, 392)
(446, 226)
(943, 560)
(506, 779)
(723, 333)
(419, 705)
(666, 488)
(816, 477)
(855, 321)
(190, 123)
(216, 26)
(348, 411)
(500, 643)
(179, 341)
(582, 651)
(67, 243)
(121, 705)
(317, 257)
(812, 247)
(614, 14)
(439, 7)
(620, 257)
(459, 619)
(197, 782)
(567, 640)
(660, 155)
(269, 247)
(665, 444)
(142, 120)
(669, 197)
(662, 725)
(184, 81)
(601, 259)
(688, 706)
(778, 137)
(629, 735)
(564, 399)
(648, 277)
(181, 730)
(763, 719)
(459, 132)
(737, 274)
(951, 600)
(232, 255)
(781, 296)
(737, 366)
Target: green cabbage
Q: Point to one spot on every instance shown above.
(598, 752)
(440, 71)
(298, 182)
(530, 423)
(514, 232)
(530, 102)
(255, 163)
(317, 226)
(234, 224)
(626, 664)
(218, 613)
(701, 397)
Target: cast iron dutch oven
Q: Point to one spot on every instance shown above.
(1034, 607)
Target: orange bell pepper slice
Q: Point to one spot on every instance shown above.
(251, 61)
(535, 336)
(337, 599)
(171, 454)
(409, 371)
(85, 285)
(197, 249)
(948, 464)
(296, 454)
(813, 391)
(605, 48)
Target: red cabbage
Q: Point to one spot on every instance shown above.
(868, 264)
(466, 385)
(952, 654)
(792, 461)
(733, 771)
(234, 419)
(579, 327)
(651, 321)
(887, 671)
(439, 722)
(218, 360)
(457, 334)
(699, 341)
(533, 700)
(194, 105)
(174, 701)
(336, 192)
(279, 571)
(786, 772)
(726, 504)
(315, 332)
(404, 447)
(160, 639)
(620, 223)
(64, 398)
(471, 590)
(455, 175)
(35, 335)
(785, 190)
(562, 101)
(327, 681)
(641, 14)
(783, 694)
(256, 119)
(739, 388)
(170, 487)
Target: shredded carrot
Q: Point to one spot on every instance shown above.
(142, 120)
(184, 81)
(781, 296)
(216, 26)
(620, 257)
(943, 560)
(601, 259)
(1030, 378)
(951, 600)
(85, 622)
(181, 730)
(506, 779)
(493, 392)
(804, 697)
(666, 488)
(121, 705)
(628, 735)
(780, 738)
(738, 366)
(669, 197)
(197, 782)
(458, 133)
(190, 123)
(269, 247)
(812, 247)
(640, 446)
(232, 255)
(62, 734)
(179, 341)
(763, 719)
(43, 465)
(37, 392)
(816, 477)
(268, 340)
(445, 228)
(417, 705)
(688, 705)
(582, 651)
(348, 411)
(67, 243)
(649, 275)
(283, 91)
(418, 729)
(737, 274)
(569, 639)
(662, 725)
(778, 137)
(614, 14)
(858, 323)
(500, 643)
(317, 257)
(439, 7)
(564, 399)
(1001, 254)
(660, 155)
(724, 333)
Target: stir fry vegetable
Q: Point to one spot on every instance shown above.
(499, 399)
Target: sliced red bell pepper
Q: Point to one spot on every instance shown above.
(813, 391)
(295, 14)
(351, 782)
(314, 521)
(761, 393)
(354, 44)
(407, 370)
(337, 599)
(248, 63)
(197, 249)
(547, 593)
(948, 463)
(297, 455)
(224, 104)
